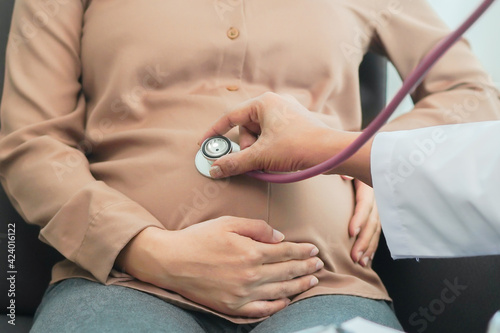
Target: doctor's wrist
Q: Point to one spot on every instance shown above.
(358, 165)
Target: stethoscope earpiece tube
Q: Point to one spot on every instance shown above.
(409, 85)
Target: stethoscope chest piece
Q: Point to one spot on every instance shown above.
(212, 149)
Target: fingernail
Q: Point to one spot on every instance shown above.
(314, 281)
(319, 265)
(364, 261)
(372, 256)
(358, 257)
(314, 251)
(215, 171)
(277, 236)
(356, 232)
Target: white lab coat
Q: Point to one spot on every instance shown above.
(438, 190)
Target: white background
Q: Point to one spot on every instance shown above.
(483, 37)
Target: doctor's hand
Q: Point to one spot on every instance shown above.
(277, 133)
(237, 266)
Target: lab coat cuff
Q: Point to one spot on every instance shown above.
(386, 196)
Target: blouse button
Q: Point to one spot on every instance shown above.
(233, 33)
(232, 88)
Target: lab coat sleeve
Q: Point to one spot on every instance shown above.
(42, 169)
(437, 190)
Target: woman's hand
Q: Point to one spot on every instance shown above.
(237, 266)
(364, 225)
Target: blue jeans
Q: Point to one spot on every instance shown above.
(78, 305)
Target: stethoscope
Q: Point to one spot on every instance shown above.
(218, 146)
(212, 149)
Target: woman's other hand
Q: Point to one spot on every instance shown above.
(237, 266)
(364, 224)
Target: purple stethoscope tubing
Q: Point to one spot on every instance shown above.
(409, 85)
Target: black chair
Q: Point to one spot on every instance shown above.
(453, 295)
(33, 259)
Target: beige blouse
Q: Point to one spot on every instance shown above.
(104, 102)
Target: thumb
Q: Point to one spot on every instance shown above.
(234, 164)
(257, 230)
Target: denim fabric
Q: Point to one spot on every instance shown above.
(78, 305)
